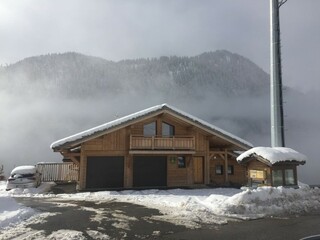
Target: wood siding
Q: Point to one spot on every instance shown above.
(236, 178)
(114, 141)
(180, 176)
(239, 176)
(119, 143)
(198, 170)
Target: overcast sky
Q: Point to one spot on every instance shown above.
(122, 29)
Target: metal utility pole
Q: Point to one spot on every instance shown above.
(277, 122)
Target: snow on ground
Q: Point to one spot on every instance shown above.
(12, 212)
(180, 206)
(215, 205)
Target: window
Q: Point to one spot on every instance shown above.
(167, 130)
(277, 177)
(289, 177)
(219, 169)
(150, 129)
(181, 162)
(230, 170)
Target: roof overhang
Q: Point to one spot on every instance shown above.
(273, 156)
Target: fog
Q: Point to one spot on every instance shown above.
(116, 30)
(31, 122)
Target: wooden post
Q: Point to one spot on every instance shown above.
(83, 169)
(173, 146)
(75, 160)
(226, 165)
(207, 164)
(130, 142)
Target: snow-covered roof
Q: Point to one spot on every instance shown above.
(129, 118)
(273, 155)
(24, 170)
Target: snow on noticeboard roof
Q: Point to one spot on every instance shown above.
(274, 155)
(136, 115)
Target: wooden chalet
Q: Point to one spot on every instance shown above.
(161, 146)
(272, 166)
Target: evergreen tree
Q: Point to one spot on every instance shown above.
(1, 173)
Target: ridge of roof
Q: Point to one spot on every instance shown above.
(130, 117)
(209, 125)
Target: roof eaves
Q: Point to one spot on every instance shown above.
(210, 128)
(79, 138)
(86, 135)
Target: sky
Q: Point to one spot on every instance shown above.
(127, 29)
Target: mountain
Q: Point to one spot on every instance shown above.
(78, 75)
(221, 87)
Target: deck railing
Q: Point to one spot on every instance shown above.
(58, 172)
(162, 143)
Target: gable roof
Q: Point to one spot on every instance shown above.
(86, 135)
(272, 155)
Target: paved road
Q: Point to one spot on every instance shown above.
(263, 229)
(129, 221)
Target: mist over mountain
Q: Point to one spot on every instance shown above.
(49, 97)
(76, 75)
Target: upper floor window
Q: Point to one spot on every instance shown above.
(167, 130)
(150, 129)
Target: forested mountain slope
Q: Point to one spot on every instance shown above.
(77, 75)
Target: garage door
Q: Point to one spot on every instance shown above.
(149, 171)
(105, 172)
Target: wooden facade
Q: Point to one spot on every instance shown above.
(280, 174)
(162, 148)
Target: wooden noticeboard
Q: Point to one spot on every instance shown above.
(257, 174)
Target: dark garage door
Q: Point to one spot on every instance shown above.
(105, 172)
(149, 171)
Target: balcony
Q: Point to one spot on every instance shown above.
(176, 143)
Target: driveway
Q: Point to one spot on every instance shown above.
(63, 219)
(107, 220)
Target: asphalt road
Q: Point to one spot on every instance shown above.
(129, 221)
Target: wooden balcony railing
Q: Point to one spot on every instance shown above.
(162, 143)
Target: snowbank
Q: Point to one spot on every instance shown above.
(215, 205)
(12, 212)
(30, 192)
(271, 201)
